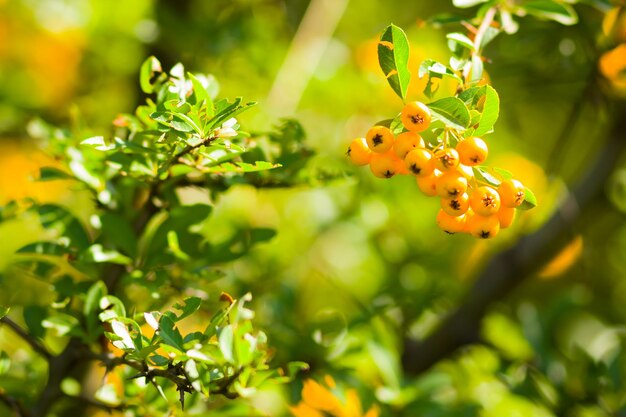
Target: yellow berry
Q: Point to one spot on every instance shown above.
(450, 224)
(420, 162)
(406, 142)
(358, 152)
(447, 158)
(451, 184)
(379, 139)
(472, 151)
(484, 227)
(511, 193)
(455, 206)
(428, 184)
(384, 165)
(415, 116)
(485, 201)
(506, 215)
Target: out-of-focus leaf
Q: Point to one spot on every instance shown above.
(553, 10)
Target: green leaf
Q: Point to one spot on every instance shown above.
(393, 57)
(490, 113)
(461, 40)
(452, 112)
(467, 3)
(123, 340)
(293, 368)
(174, 246)
(477, 68)
(92, 304)
(483, 176)
(190, 306)
(226, 343)
(530, 201)
(52, 174)
(201, 94)
(4, 311)
(170, 334)
(59, 219)
(62, 324)
(552, 10)
(119, 232)
(112, 306)
(5, 362)
(96, 253)
(241, 167)
(149, 68)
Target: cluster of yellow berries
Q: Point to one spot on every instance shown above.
(467, 206)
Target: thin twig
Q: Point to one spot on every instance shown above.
(478, 39)
(27, 337)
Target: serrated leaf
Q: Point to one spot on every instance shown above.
(552, 10)
(190, 306)
(170, 334)
(52, 174)
(393, 58)
(241, 167)
(452, 112)
(490, 113)
(530, 201)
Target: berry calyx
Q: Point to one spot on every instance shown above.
(485, 201)
(406, 142)
(420, 162)
(379, 139)
(415, 116)
(447, 158)
(511, 193)
(451, 184)
(483, 227)
(472, 151)
(358, 152)
(455, 206)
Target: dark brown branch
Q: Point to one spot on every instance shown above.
(37, 346)
(509, 269)
(14, 404)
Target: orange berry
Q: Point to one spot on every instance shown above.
(379, 139)
(485, 201)
(428, 184)
(358, 152)
(451, 184)
(506, 215)
(447, 158)
(406, 142)
(415, 116)
(455, 206)
(472, 151)
(450, 224)
(484, 227)
(384, 165)
(420, 162)
(511, 193)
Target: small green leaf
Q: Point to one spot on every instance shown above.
(553, 10)
(293, 368)
(5, 362)
(96, 253)
(92, 304)
(201, 94)
(490, 113)
(477, 68)
(4, 311)
(483, 176)
(461, 40)
(174, 246)
(241, 167)
(51, 174)
(62, 324)
(452, 112)
(190, 306)
(467, 3)
(530, 201)
(393, 57)
(170, 334)
(226, 343)
(149, 68)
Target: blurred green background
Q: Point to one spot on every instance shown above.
(357, 261)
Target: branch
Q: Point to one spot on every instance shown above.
(478, 39)
(510, 268)
(98, 404)
(27, 337)
(14, 404)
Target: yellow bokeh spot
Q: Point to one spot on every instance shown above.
(613, 66)
(564, 259)
(19, 171)
(318, 401)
